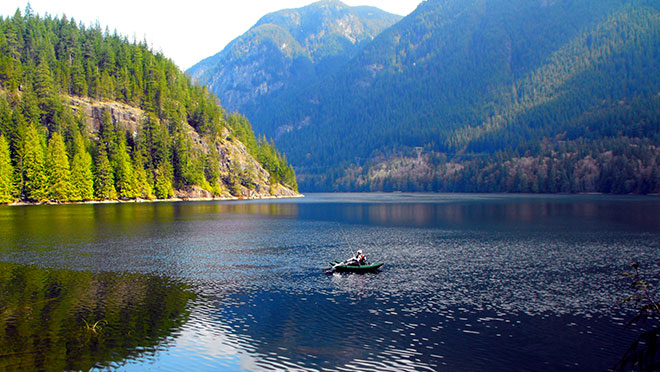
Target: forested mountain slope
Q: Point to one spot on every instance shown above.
(86, 114)
(288, 50)
(487, 95)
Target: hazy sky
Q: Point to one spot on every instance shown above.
(184, 30)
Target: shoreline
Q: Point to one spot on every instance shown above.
(138, 200)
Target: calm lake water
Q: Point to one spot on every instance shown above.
(470, 283)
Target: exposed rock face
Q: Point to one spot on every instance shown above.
(193, 192)
(126, 116)
(232, 154)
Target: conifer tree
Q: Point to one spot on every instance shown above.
(59, 173)
(6, 173)
(93, 81)
(108, 136)
(35, 185)
(44, 86)
(104, 182)
(44, 59)
(157, 144)
(7, 127)
(143, 183)
(82, 179)
(17, 149)
(188, 169)
(124, 178)
(29, 105)
(157, 141)
(78, 82)
(163, 181)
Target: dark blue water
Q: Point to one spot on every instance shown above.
(470, 282)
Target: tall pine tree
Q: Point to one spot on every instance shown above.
(104, 181)
(124, 178)
(44, 86)
(6, 173)
(143, 183)
(163, 181)
(59, 173)
(35, 180)
(82, 179)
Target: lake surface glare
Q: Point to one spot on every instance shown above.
(470, 283)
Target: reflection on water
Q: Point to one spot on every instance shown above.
(469, 211)
(277, 330)
(470, 282)
(68, 320)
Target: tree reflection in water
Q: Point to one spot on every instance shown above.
(70, 320)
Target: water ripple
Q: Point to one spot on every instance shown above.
(469, 284)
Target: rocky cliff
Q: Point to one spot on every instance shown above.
(232, 155)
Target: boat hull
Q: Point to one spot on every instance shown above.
(338, 266)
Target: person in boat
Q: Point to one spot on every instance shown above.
(359, 259)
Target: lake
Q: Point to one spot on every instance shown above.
(470, 283)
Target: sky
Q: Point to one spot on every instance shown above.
(186, 31)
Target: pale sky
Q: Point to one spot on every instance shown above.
(185, 30)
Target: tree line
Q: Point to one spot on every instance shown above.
(621, 165)
(474, 80)
(49, 152)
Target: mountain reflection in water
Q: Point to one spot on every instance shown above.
(470, 282)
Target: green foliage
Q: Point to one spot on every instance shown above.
(52, 322)
(476, 81)
(163, 181)
(104, 180)
(46, 61)
(288, 49)
(212, 171)
(35, 179)
(188, 164)
(59, 173)
(276, 164)
(45, 90)
(82, 178)
(264, 151)
(156, 141)
(124, 177)
(6, 173)
(142, 181)
(233, 180)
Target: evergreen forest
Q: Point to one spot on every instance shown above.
(55, 71)
(485, 96)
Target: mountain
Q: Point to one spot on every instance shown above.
(88, 115)
(486, 95)
(287, 50)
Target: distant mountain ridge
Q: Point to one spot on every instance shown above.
(485, 95)
(288, 49)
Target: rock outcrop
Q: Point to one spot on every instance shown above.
(232, 156)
